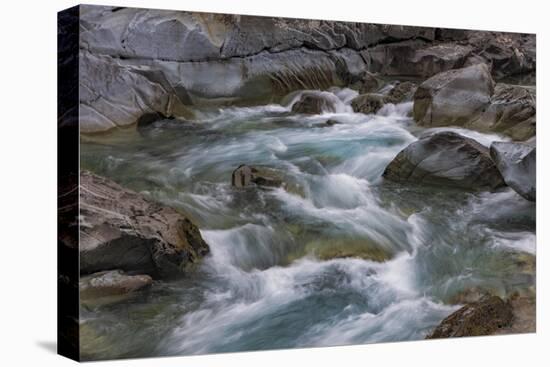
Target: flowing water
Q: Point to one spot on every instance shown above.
(302, 267)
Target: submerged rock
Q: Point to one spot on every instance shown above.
(454, 97)
(120, 229)
(484, 317)
(111, 284)
(446, 159)
(517, 162)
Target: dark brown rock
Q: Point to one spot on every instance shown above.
(484, 317)
(121, 229)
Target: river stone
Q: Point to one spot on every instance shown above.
(484, 317)
(454, 97)
(314, 103)
(517, 164)
(368, 103)
(112, 283)
(512, 111)
(121, 229)
(245, 176)
(445, 159)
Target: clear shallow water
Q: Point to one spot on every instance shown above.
(276, 277)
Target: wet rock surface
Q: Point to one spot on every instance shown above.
(517, 162)
(111, 284)
(120, 229)
(445, 159)
(484, 317)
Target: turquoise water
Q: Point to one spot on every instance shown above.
(276, 277)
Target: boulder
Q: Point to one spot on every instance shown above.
(445, 159)
(121, 229)
(454, 97)
(112, 283)
(484, 317)
(368, 103)
(314, 103)
(517, 162)
(512, 111)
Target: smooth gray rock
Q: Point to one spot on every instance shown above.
(453, 97)
(445, 159)
(517, 162)
(116, 94)
(120, 229)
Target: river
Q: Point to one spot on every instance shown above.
(299, 268)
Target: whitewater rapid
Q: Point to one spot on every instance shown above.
(265, 284)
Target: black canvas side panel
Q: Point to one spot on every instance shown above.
(67, 183)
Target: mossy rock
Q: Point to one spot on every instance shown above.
(327, 249)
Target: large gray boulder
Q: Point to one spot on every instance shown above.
(120, 229)
(517, 162)
(445, 159)
(454, 97)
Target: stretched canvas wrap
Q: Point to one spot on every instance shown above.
(233, 183)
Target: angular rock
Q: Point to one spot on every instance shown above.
(485, 317)
(417, 58)
(368, 103)
(517, 162)
(454, 97)
(445, 159)
(507, 53)
(512, 111)
(120, 229)
(112, 283)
